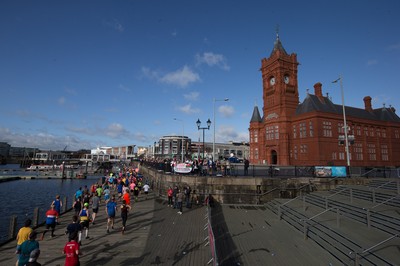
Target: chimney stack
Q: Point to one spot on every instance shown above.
(318, 90)
(367, 103)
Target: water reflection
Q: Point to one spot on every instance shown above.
(22, 196)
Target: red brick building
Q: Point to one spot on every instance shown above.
(288, 132)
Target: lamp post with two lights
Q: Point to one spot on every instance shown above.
(198, 122)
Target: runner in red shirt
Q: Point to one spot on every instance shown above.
(72, 252)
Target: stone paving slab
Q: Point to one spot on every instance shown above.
(155, 234)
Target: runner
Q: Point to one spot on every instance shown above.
(57, 205)
(169, 193)
(124, 214)
(72, 251)
(26, 248)
(51, 218)
(146, 188)
(23, 234)
(95, 206)
(74, 228)
(111, 209)
(84, 219)
(127, 197)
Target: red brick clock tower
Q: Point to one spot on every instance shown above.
(269, 136)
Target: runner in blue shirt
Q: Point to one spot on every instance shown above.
(111, 209)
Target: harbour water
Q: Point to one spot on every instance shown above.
(21, 197)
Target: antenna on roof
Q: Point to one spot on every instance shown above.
(277, 31)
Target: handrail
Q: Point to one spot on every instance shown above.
(383, 202)
(385, 184)
(357, 254)
(338, 192)
(265, 193)
(283, 204)
(366, 173)
(318, 214)
(380, 243)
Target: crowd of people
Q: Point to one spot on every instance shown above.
(114, 189)
(201, 167)
(118, 191)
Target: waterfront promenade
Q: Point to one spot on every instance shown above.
(155, 235)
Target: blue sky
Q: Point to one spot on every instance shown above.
(84, 74)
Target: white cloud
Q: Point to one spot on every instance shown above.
(174, 33)
(226, 110)
(182, 77)
(212, 59)
(61, 100)
(71, 91)
(116, 130)
(124, 88)
(192, 96)
(394, 46)
(187, 109)
(372, 62)
(150, 74)
(226, 133)
(43, 141)
(115, 24)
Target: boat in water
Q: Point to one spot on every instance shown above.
(43, 167)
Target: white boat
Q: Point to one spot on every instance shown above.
(42, 167)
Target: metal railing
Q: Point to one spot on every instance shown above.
(358, 255)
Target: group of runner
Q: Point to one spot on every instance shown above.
(114, 190)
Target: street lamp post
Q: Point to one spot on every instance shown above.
(216, 100)
(346, 138)
(203, 128)
(183, 134)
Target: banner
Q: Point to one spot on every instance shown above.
(183, 168)
(330, 171)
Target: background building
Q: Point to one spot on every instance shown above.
(312, 132)
(223, 151)
(172, 146)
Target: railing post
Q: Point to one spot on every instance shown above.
(373, 196)
(64, 205)
(13, 227)
(36, 217)
(368, 218)
(279, 212)
(304, 203)
(398, 187)
(351, 195)
(326, 203)
(305, 230)
(337, 217)
(356, 259)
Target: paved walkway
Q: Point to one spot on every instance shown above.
(156, 235)
(253, 235)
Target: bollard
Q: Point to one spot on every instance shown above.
(13, 227)
(64, 205)
(35, 217)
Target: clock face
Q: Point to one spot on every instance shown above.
(272, 81)
(286, 79)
